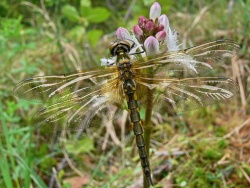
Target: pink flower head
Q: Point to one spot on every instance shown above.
(151, 34)
(155, 11)
(151, 45)
(152, 26)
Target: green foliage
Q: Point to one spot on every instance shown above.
(212, 154)
(94, 36)
(85, 3)
(71, 13)
(87, 14)
(77, 33)
(222, 144)
(83, 145)
(25, 67)
(95, 15)
(3, 8)
(11, 28)
(16, 157)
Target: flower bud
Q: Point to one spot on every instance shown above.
(151, 45)
(161, 35)
(163, 20)
(122, 33)
(160, 27)
(137, 31)
(149, 26)
(141, 21)
(155, 11)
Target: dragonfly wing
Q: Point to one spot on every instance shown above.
(190, 93)
(192, 62)
(80, 112)
(184, 79)
(63, 87)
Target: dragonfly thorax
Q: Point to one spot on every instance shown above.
(121, 49)
(123, 62)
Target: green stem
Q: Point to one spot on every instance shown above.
(148, 126)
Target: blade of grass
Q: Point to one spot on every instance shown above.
(4, 163)
(27, 179)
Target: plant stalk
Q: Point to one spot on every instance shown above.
(148, 126)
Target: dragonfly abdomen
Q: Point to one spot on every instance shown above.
(130, 92)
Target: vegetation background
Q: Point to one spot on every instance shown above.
(209, 147)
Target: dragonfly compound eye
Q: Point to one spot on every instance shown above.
(119, 46)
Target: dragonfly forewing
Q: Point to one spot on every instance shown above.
(81, 112)
(184, 80)
(198, 61)
(63, 87)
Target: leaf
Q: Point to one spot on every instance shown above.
(60, 175)
(148, 2)
(71, 13)
(94, 36)
(77, 33)
(95, 15)
(85, 145)
(85, 3)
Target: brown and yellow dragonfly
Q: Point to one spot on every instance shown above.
(182, 80)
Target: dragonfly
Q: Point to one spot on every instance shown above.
(181, 80)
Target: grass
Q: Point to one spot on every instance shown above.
(17, 158)
(190, 150)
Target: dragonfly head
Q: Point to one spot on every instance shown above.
(119, 46)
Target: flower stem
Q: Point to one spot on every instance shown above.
(148, 126)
